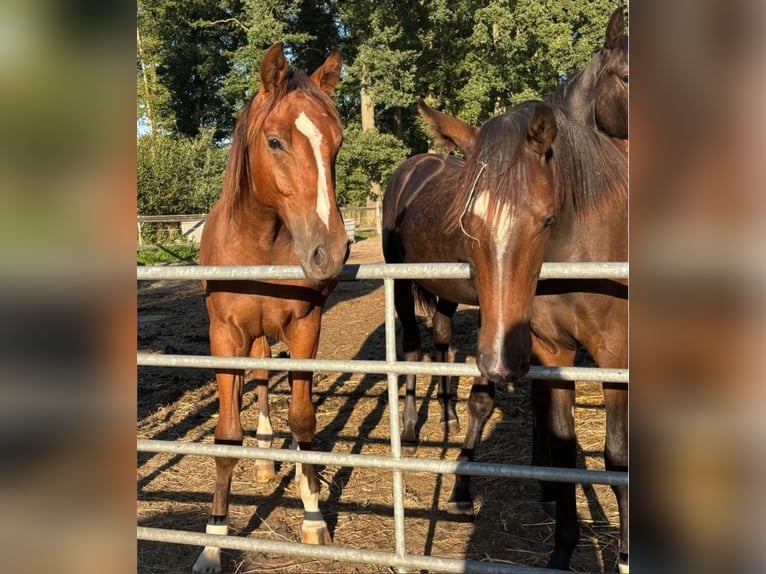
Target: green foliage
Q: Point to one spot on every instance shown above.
(186, 47)
(168, 254)
(198, 63)
(365, 157)
(178, 175)
(520, 49)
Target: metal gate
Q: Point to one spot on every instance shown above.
(392, 368)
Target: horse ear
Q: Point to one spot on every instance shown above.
(542, 129)
(327, 75)
(273, 67)
(448, 131)
(614, 29)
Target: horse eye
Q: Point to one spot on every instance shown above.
(625, 78)
(274, 143)
(549, 221)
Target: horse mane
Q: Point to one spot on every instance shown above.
(495, 164)
(238, 182)
(588, 168)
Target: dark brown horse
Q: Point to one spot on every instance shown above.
(277, 207)
(597, 95)
(588, 223)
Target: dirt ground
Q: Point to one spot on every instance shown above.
(352, 417)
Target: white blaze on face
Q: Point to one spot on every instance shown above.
(308, 129)
(502, 221)
(500, 225)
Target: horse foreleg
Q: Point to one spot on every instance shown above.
(442, 329)
(228, 430)
(264, 436)
(301, 417)
(541, 404)
(563, 448)
(480, 404)
(541, 454)
(553, 411)
(405, 310)
(616, 458)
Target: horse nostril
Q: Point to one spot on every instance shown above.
(319, 258)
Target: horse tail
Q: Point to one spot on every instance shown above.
(424, 300)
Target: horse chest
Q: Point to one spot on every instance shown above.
(255, 315)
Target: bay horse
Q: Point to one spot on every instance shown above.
(277, 207)
(597, 95)
(493, 210)
(588, 222)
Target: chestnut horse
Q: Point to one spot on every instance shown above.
(588, 222)
(597, 95)
(277, 207)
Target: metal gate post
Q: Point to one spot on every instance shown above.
(393, 413)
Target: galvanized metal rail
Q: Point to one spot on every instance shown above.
(392, 368)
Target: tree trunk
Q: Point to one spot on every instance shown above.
(147, 94)
(368, 123)
(368, 109)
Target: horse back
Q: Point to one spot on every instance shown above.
(415, 186)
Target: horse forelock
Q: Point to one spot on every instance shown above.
(238, 181)
(496, 173)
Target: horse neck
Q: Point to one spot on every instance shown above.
(257, 223)
(598, 234)
(576, 97)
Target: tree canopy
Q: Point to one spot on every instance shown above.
(197, 64)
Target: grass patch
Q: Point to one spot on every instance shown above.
(361, 235)
(163, 254)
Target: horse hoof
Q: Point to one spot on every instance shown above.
(623, 566)
(409, 449)
(461, 508)
(264, 472)
(209, 561)
(318, 535)
(549, 507)
(452, 425)
(559, 560)
(409, 443)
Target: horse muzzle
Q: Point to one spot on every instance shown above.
(503, 367)
(324, 261)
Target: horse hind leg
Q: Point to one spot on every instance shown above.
(404, 302)
(264, 436)
(442, 329)
(228, 430)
